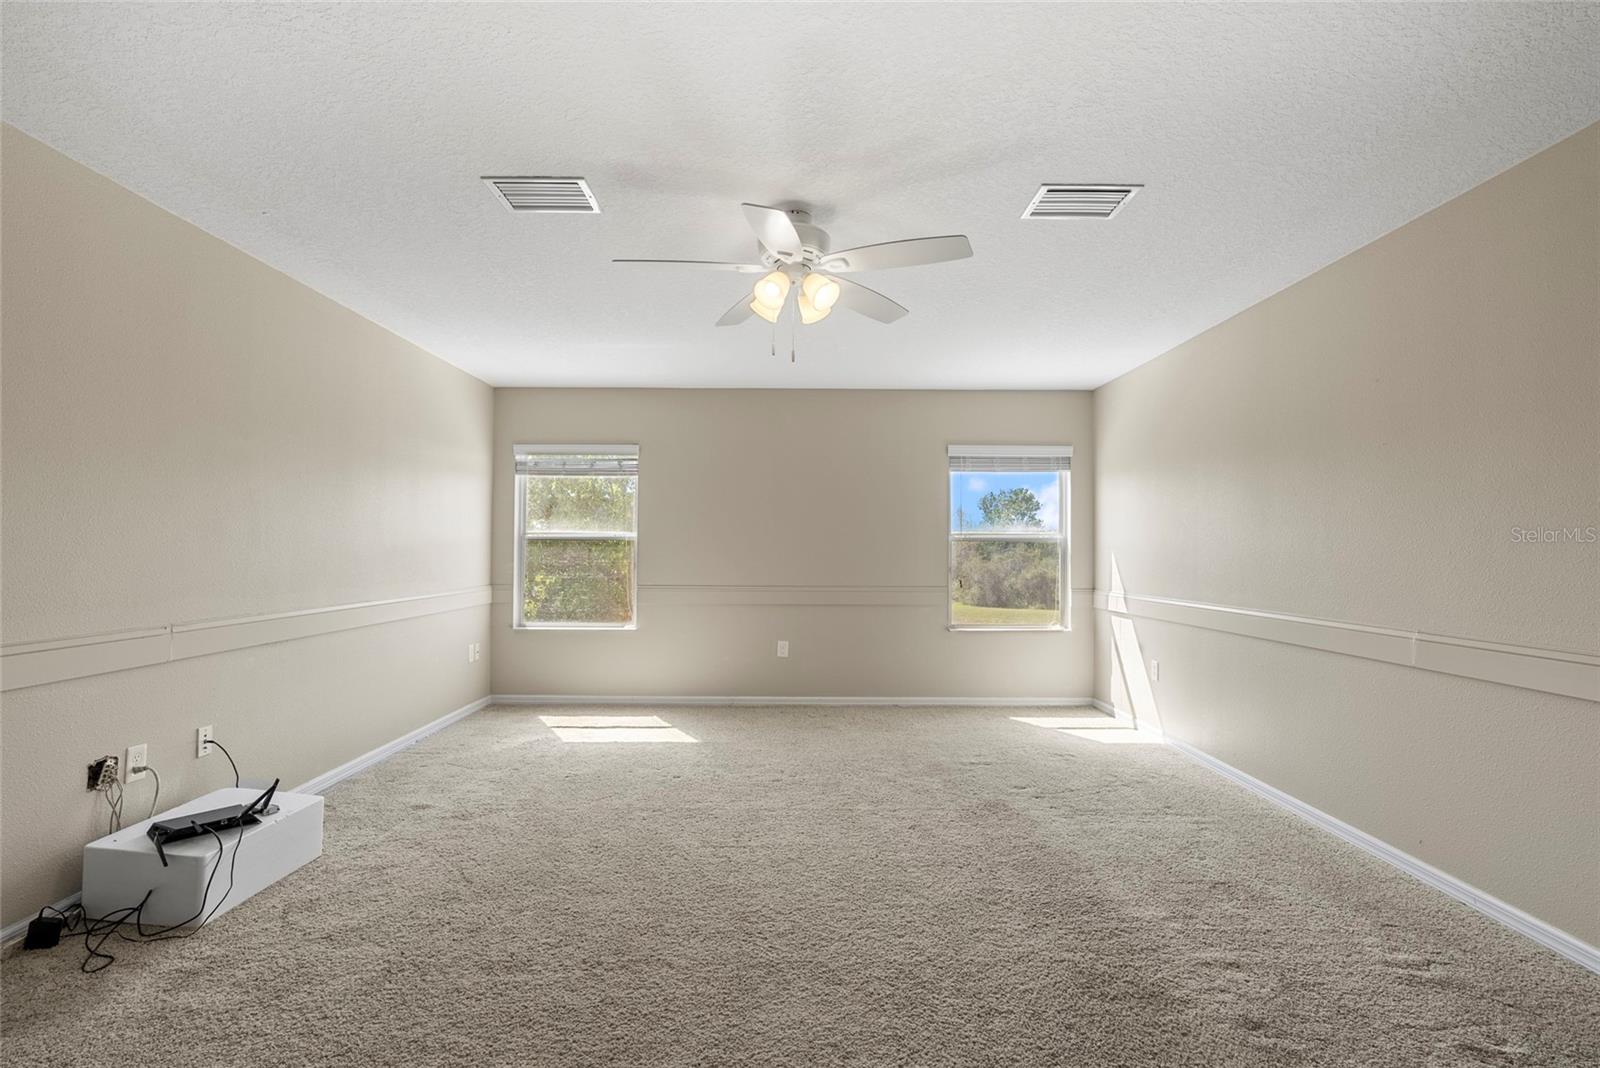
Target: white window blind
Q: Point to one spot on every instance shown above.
(1010, 458)
(577, 460)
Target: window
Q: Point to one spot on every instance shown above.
(577, 532)
(1008, 536)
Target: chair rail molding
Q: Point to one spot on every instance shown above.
(1556, 671)
(25, 664)
(830, 596)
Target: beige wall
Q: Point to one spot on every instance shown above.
(189, 435)
(1360, 448)
(753, 500)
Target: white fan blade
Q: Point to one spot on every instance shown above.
(773, 229)
(910, 253)
(705, 265)
(738, 313)
(874, 305)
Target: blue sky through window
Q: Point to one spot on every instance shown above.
(966, 490)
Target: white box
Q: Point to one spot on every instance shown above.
(119, 868)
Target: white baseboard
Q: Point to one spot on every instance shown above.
(387, 750)
(1121, 715)
(14, 931)
(1552, 938)
(909, 702)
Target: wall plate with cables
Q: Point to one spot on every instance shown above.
(102, 773)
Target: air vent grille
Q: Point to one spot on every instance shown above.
(545, 194)
(1079, 201)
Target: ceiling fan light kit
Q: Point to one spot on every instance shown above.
(818, 294)
(769, 294)
(794, 255)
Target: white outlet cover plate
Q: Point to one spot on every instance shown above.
(138, 757)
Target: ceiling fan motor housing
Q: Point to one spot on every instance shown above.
(813, 240)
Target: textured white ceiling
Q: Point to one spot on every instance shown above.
(343, 144)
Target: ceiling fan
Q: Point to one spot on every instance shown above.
(793, 257)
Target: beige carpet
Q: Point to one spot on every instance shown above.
(814, 887)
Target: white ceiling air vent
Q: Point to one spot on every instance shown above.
(1079, 201)
(545, 194)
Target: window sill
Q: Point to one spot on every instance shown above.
(575, 626)
(970, 627)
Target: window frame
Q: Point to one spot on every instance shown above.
(1062, 537)
(523, 536)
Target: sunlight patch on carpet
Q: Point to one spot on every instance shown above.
(603, 721)
(1117, 736)
(591, 728)
(1093, 720)
(1095, 728)
(621, 734)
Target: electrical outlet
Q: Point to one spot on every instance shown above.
(783, 649)
(1155, 670)
(202, 741)
(138, 762)
(474, 652)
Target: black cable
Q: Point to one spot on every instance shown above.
(98, 930)
(158, 933)
(105, 927)
(230, 760)
(161, 935)
(65, 914)
(232, 864)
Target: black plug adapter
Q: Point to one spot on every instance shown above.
(44, 932)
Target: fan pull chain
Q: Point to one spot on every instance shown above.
(791, 336)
